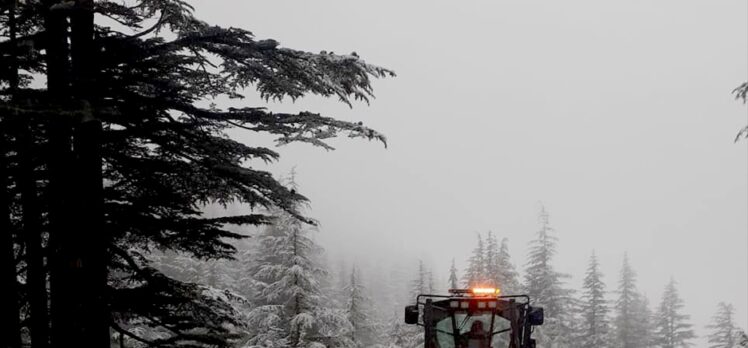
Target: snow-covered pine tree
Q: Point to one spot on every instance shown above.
(342, 278)
(289, 310)
(177, 266)
(644, 323)
(475, 274)
(397, 291)
(491, 261)
(358, 311)
(431, 283)
(411, 336)
(743, 339)
(336, 281)
(453, 279)
(595, 325)
(399, 334)
(420, 283)
(217, 274)
(722, 330)
(625, 311)
(673, 329)
(545, 287)
(575, 322)
(326, 283)
(500, 273)
(244, 261)
(508, 277)
(385, 293)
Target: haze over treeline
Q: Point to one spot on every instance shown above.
(607, 310)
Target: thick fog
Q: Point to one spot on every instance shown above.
(617, 116)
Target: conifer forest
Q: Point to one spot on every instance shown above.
(192, 173)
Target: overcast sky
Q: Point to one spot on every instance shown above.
(617, 115)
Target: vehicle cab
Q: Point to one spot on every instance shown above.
(475, 318)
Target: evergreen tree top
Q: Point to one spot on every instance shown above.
(595, 326)
(723, 332)
(673, 328)
(453, 278)
(475, 274)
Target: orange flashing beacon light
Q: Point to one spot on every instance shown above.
(486, 291)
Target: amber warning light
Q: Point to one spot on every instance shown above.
(486, 291)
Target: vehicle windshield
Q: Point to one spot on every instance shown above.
(473, 330)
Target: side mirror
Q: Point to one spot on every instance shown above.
(411, 314)
(535, 316)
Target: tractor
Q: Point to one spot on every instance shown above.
(475, 318)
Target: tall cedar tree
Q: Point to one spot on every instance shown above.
(401, 335)
(410, 334)
(595, 326)
(123, 153)
(545, 286)
(359, 311)
(342, 278)
(626, 334)
(419, 284)
(508, 277)
(673, 329)
(475, 274)
(289, 310)
(491, 260)
(644, 324)
(723, 333)
(453, 278)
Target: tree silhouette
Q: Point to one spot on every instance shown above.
(122, 149)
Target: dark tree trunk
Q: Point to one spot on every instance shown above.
(82, 52)
(81, 315)
(62, 281)
(88, 150)
(56, 42)
(36, 275)
(10, 335)
(94, 251)
(90, 180)
(61, 196)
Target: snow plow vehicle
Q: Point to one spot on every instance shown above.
(475, 318)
